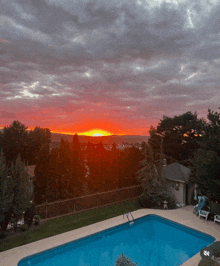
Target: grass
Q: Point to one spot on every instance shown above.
(67, 223)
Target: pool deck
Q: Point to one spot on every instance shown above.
(183, 216)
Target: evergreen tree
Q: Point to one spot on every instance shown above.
(180, 136)
(206, 160)
(41, 175)
(75, 145)
(20, 193)
(114, 148)
(78, 168)
(65, 169)
(15, 142)
(36, 139)
(55, 182)
(5, 189)
(123, 261)
(155, 186)
(1, 140)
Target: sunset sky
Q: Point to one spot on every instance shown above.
(113, 65)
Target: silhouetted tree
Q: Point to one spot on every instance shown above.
(36, 139)
(41, 175)
(55, 181)
(20, 194)
(180, 136)
(14, 142)
(114, 148)
(1, 140)
(5, 189)
(206, 161)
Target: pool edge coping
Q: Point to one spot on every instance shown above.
(11, 257)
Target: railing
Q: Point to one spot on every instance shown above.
(85, 203)
(127, 215)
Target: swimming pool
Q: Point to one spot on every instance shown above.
(150, 241)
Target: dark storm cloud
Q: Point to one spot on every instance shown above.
(123, 58)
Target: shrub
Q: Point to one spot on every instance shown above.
(123, 261)
(24, 227)
(145, 201)
(29, 215)
(37, 219)
(156, 201)
(171, 202)
(3, 235)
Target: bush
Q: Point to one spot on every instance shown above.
(37, 219)
(156, 201)
(123, 261)
(24, 227)
(171, 202)
(145, 201)
(29, 215)
(3, 235)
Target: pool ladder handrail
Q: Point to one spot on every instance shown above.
(127, 215)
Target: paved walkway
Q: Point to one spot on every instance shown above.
(183, 216)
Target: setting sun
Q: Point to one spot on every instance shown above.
(96, 133)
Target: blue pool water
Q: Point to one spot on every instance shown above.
(150, 241)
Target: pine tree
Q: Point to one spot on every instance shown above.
(5, 189)
(14, 142)
(18, 192)
(41, 175)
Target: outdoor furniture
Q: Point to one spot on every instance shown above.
(202, 203)
(217, 218)
(195, 207)
(204, 214)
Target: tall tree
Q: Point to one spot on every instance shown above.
(20, 193)
(36, 139)
(206, 161)
(155, 187)
(0, 140)
(55, 184)
(14, 142)
(41, 175)
(5, 189)
(75, 145)
(180, 136)
(130, 159)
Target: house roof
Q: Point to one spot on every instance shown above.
(177, 172)
(30, 170)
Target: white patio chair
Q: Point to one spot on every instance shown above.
(217, 218)
(204, 214)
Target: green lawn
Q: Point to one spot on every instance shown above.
(67, 223)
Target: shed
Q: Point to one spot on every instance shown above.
(178, 177)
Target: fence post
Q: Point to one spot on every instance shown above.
(97, 200)
(46, 209)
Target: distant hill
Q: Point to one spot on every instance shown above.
(56, 137)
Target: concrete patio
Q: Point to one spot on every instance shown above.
(183, 216)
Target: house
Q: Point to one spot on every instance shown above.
(180, 187)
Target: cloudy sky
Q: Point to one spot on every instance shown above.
(113, 65)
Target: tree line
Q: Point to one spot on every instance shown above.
(60, 173)
(191, 141)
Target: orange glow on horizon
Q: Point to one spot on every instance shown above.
(96, 133)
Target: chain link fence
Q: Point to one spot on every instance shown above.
(75, 205)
